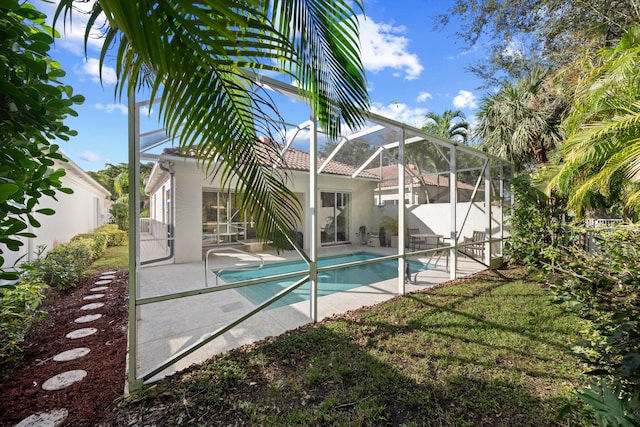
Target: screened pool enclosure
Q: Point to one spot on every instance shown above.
(387, 210)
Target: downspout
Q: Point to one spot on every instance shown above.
(171, 172)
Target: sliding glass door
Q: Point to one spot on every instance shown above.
(334, 217)
(221, 219)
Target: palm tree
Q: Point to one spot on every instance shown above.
(451, 124)
(199, 58)
(601, 156)
(521, 122)
(429, 158)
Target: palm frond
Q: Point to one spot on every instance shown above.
(197, 55)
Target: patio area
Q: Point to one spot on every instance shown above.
(167, 328)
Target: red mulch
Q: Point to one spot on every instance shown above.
(89, 400)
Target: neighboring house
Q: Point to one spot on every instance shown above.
(419, 189)
(81, 212)
(193, 208)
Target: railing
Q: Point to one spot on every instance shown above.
(235, 268)
(145, 225)
(602, 222)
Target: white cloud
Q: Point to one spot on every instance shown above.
(423, 96)
(401, 113)
(72, 30)
(90, 156)
(91, 68)
(384, 46)
(110, 108)
(465, 99)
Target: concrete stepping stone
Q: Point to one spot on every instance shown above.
(107, 277)
(108, 273)
(94, 296)
(64, 380)
(99, 289)
(73, 354)
(81, 333)
(54, 418)
(88, 318)
(92, 306)
(103, 282)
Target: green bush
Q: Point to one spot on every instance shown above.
(116, 237)
(18, 313)
(537, 225)
(120, 215)
(603, 287)
(64, 266)
(99, 245)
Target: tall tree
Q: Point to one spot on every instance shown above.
(33, 105)
(198, 56)
(547, 32)
(521, 122)
(601, 156)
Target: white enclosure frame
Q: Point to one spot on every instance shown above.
(408, 135)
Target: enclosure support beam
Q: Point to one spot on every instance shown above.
(453, 201)
(487, 204)
(313, 220)
(134, 238)
(401, 216)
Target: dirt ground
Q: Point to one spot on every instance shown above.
(89, 400)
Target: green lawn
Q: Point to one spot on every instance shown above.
(483, 352)
(115, 258)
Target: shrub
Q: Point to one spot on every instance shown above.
(64, 266)
(116, 237)
(603, 287)
(120, 215)
(99, 245)
(18, 313)
(537, 225)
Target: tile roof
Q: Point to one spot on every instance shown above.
(293, 159)
(390, 177)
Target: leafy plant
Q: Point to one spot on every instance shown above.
(18, 312)
(601, 285)
(34, 104)
(64, 266)
(537, 225)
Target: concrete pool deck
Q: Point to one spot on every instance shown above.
(168, 327)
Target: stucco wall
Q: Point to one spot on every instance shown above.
(81, 212)
(190, 181)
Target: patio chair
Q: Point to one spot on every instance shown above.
(414, 240)
(476, 250)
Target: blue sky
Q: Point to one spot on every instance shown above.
(412, 68)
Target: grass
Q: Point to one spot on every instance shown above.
(115, 258)
(484, 352)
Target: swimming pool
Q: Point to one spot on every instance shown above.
(329, 282)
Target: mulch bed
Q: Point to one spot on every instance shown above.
(89, 400)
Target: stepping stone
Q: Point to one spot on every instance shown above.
(109, 273)
(64, 380)
(107, 277)
(94, 296)
(92, 306)
(81, 333)
(99, 288)
(88, 318)
(103, 282)
(53, 418)
(72, 354)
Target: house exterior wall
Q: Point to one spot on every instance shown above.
(81, 212)
(190, 182)
(436, 218)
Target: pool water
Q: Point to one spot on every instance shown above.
(329, 282)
